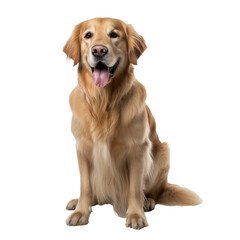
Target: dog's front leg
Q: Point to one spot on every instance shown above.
(83, 209)
(135, 215)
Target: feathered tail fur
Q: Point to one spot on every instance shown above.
(176, 195)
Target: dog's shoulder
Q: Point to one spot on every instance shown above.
(77, 101)
(134, 102)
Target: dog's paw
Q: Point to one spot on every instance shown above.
(72, 204)
(136, 221)
(149, 204)
(77, 218)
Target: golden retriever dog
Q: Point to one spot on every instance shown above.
(121, 159)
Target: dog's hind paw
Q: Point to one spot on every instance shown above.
(72, 204)
(149, 204)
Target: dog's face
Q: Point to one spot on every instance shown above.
(104, 47)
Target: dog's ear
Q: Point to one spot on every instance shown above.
(136, 44)
(72, 47)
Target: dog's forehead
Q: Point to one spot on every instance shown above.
(104, 24)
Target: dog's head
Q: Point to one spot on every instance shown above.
(104, 47)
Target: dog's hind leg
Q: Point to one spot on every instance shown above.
(162, 191)
(158, 179)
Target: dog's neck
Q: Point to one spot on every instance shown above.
(107, 98)
(104, 104)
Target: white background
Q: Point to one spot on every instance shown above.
(191, 71)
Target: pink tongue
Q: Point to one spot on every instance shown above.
(100, 77)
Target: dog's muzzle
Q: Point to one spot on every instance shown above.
(102, 73)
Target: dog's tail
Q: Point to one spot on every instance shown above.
(174, 195)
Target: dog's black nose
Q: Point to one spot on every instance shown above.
(99, 51)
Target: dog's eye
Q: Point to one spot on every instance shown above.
(113, 35)
(88, 35)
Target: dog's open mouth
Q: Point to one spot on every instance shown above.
(102, 73)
